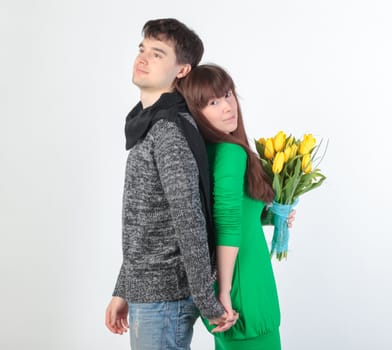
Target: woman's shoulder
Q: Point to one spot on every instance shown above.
(229, 157)
(230, 149)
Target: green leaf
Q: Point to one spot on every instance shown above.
(288, 188)
(267, 166)
(297, 168)
(259, 148)
(317, 180)
(277, 187)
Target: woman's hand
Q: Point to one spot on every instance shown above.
(231, 316)
(224, 322)
(291, 218)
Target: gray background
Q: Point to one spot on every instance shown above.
(300, 66)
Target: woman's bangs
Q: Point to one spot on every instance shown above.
(214, 89)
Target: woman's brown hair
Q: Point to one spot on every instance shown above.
(209, 81)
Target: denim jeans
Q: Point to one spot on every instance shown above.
(162, 326)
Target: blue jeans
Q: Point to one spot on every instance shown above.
(162, 326)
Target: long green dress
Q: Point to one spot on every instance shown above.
(237, 221)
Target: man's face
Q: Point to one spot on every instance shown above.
(155, 67)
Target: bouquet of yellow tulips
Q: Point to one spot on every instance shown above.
(290, 163)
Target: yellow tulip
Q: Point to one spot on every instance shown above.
(294, 149)
(279, 141)
(306, 164)
(287, 153)
(290, 141)
(261, 141)
(269, 151)
(307, 144)
(278, 163)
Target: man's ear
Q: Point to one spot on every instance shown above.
(185, 69)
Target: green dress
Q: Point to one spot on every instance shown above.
(237, 221)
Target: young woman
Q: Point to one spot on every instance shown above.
(241, 189)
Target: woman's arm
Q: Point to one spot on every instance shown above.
(229, 177)
(226, 257)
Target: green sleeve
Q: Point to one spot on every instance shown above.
(228, 176)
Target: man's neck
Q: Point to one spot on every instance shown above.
(149, 98)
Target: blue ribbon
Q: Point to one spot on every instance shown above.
(280, 239)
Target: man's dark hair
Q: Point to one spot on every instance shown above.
(187, 44)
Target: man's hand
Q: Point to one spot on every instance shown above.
(116, 319)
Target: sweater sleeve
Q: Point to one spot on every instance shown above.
(229, 176)
(179, 177)
(120, 288)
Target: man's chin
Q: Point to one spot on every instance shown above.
(137, 82)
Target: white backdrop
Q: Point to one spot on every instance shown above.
(300, 66)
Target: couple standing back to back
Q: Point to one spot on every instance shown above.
(192, 205)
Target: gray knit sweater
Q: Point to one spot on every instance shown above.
(165, 251)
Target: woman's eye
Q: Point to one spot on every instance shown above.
(229, 94)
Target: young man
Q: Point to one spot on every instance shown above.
(165, 278)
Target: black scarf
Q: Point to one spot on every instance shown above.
(171, 106)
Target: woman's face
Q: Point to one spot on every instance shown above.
(222, 112)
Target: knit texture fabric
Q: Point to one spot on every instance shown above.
(165, 250)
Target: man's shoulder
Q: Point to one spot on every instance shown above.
(172, 118)
(167, 130)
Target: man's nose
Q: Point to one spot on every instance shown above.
(142, 57)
